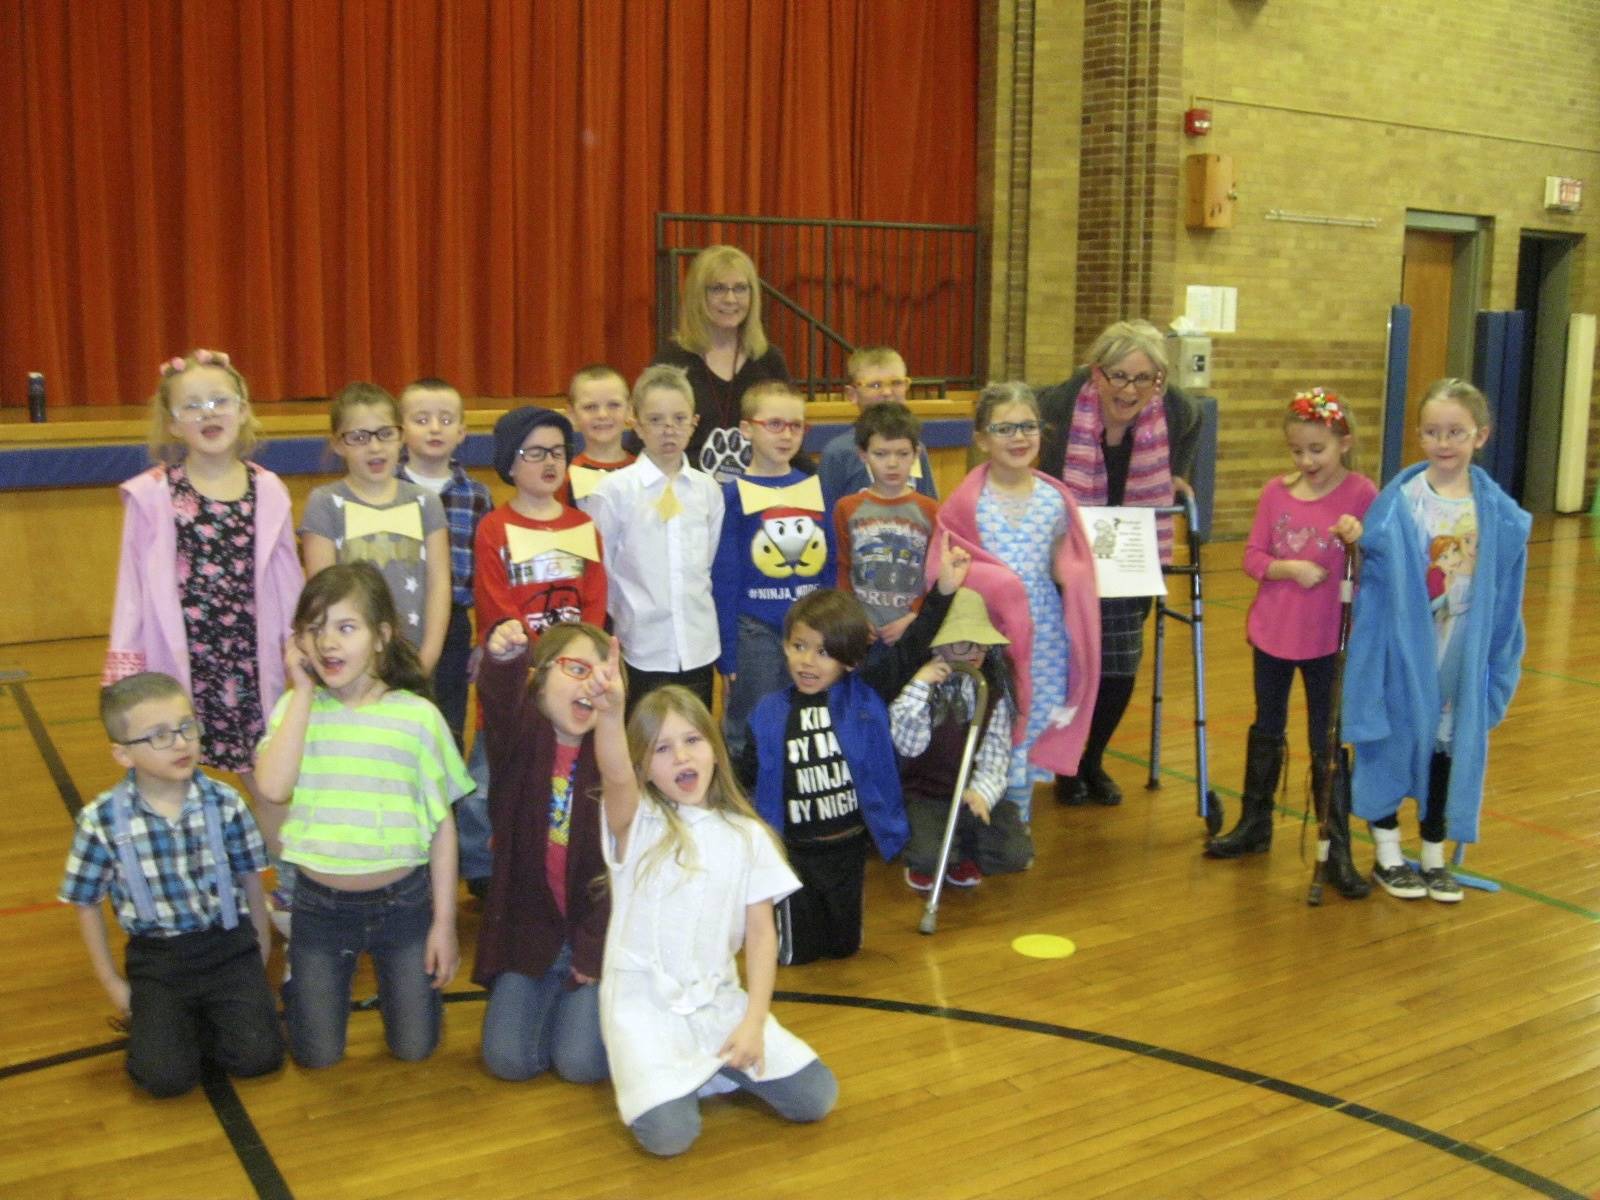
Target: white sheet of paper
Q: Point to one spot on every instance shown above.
(1127, 555)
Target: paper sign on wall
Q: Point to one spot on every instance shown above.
(1212, 309)
(1127, 553)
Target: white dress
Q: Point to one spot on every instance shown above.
(670, 991)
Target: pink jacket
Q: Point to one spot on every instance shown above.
(1058, 748)
(147, 631)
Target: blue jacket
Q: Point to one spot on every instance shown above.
(861, 723)
(1391, 697)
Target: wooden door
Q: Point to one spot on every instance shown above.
(1427, 276)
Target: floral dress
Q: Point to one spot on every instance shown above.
(1023, 533)
(216, 584)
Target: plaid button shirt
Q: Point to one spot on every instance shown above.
(176, 856)
(466, 502)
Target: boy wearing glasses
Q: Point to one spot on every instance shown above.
(661, 520)
(180, 856)
(877, 373)
(776, 546)
(433, 424)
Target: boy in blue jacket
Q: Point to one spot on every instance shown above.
(819, 761)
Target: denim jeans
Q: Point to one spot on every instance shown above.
(532, 1024)
(761, 669)
(450, 673)
(807, 1095)
(331, 929)
(472, 816)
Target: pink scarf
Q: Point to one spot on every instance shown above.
(1149, 467)
(1058, 749)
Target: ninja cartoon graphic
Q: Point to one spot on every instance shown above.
(789, 542)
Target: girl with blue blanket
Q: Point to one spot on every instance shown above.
(1437, 638)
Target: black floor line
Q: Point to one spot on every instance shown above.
(263, 1172)
(252, 1152)
(47, 750)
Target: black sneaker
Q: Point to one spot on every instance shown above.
(1071, 791)
(1441, 885)
(1102, 788)
(1401, 882)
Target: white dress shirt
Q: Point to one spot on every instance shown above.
(659, 572)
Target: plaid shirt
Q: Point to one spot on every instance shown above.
(176, 857)
(466, 502)
(911, 728)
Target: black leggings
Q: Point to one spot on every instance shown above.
(1433, 809)
(1275, 678)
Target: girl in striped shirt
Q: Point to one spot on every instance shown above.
(369, 771)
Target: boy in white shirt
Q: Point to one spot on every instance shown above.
(659, 522)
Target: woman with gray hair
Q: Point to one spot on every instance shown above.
(1111, 445)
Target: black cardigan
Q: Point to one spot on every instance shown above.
(1055, 410)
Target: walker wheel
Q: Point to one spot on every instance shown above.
(1213, 814)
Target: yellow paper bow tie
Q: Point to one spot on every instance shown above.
(584, 480)
(527, 544)
(403, 520)
(805, 495)
(668, 506)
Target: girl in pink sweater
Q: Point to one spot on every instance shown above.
(1296, 551)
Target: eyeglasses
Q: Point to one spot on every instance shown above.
(196, 411)
(876, 387)
(360, 437)
(443, 420)
(660, 423)
(1121, 379)
(1448, 437)
(165, 739)
(960, 649)
(1007, 429)
(777, 425)
(721, 291)
(537, 454)
(575, 668)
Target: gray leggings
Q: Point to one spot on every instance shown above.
(807, 1095)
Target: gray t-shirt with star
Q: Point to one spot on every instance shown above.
(403, 559)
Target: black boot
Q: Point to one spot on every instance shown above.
(1262, 768)
(1070, 790)
(1340, 873)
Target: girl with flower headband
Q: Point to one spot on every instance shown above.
(1296, 550)
(209, 574)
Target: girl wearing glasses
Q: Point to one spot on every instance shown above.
(373, 516)
(544, 920)
(1032, 566)
(1437, 642)
(721, 345)
(208, 575)
(1111, 444)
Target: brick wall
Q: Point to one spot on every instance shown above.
(1355, 108)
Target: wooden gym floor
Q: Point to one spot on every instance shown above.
(1211, 1036)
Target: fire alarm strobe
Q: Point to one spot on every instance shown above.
(1197, 122)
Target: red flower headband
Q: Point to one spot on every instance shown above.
(204, 358)
(1317, 405)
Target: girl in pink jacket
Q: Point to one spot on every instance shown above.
(209, 575)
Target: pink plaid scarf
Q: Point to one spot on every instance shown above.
(1149, 468)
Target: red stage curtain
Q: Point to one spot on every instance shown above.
(339, 189)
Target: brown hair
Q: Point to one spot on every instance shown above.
(594, 373)
(998, 395)
(363, 586)
(888, 420)
(1462, 393)
(838, 616)
(554, 641)
(428, 383)
(354, 395)
(119, 699)
(750, 402)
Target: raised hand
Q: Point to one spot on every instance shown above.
(954, 562)
(507, 639)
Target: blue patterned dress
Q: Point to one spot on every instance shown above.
(1023, 533)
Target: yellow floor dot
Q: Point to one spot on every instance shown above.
(1043, 945)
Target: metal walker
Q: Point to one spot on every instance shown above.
(1207, 806)
(930, 914)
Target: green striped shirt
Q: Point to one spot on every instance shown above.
(375, 783)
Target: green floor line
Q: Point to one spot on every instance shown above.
(1358, 834)
(1594, 683)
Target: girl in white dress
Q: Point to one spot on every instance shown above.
(694, 874)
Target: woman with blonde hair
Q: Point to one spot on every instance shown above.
(721, 344)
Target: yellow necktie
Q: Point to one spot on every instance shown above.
(528, 544)
(668, 506)
(805, 495)
(403, 520)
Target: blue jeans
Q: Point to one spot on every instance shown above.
(760, 669)
(807, 1095)
(330, 930)
(472, 816)
(532, 1024)
(450, 673)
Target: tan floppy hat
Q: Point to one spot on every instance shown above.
(968, 621)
